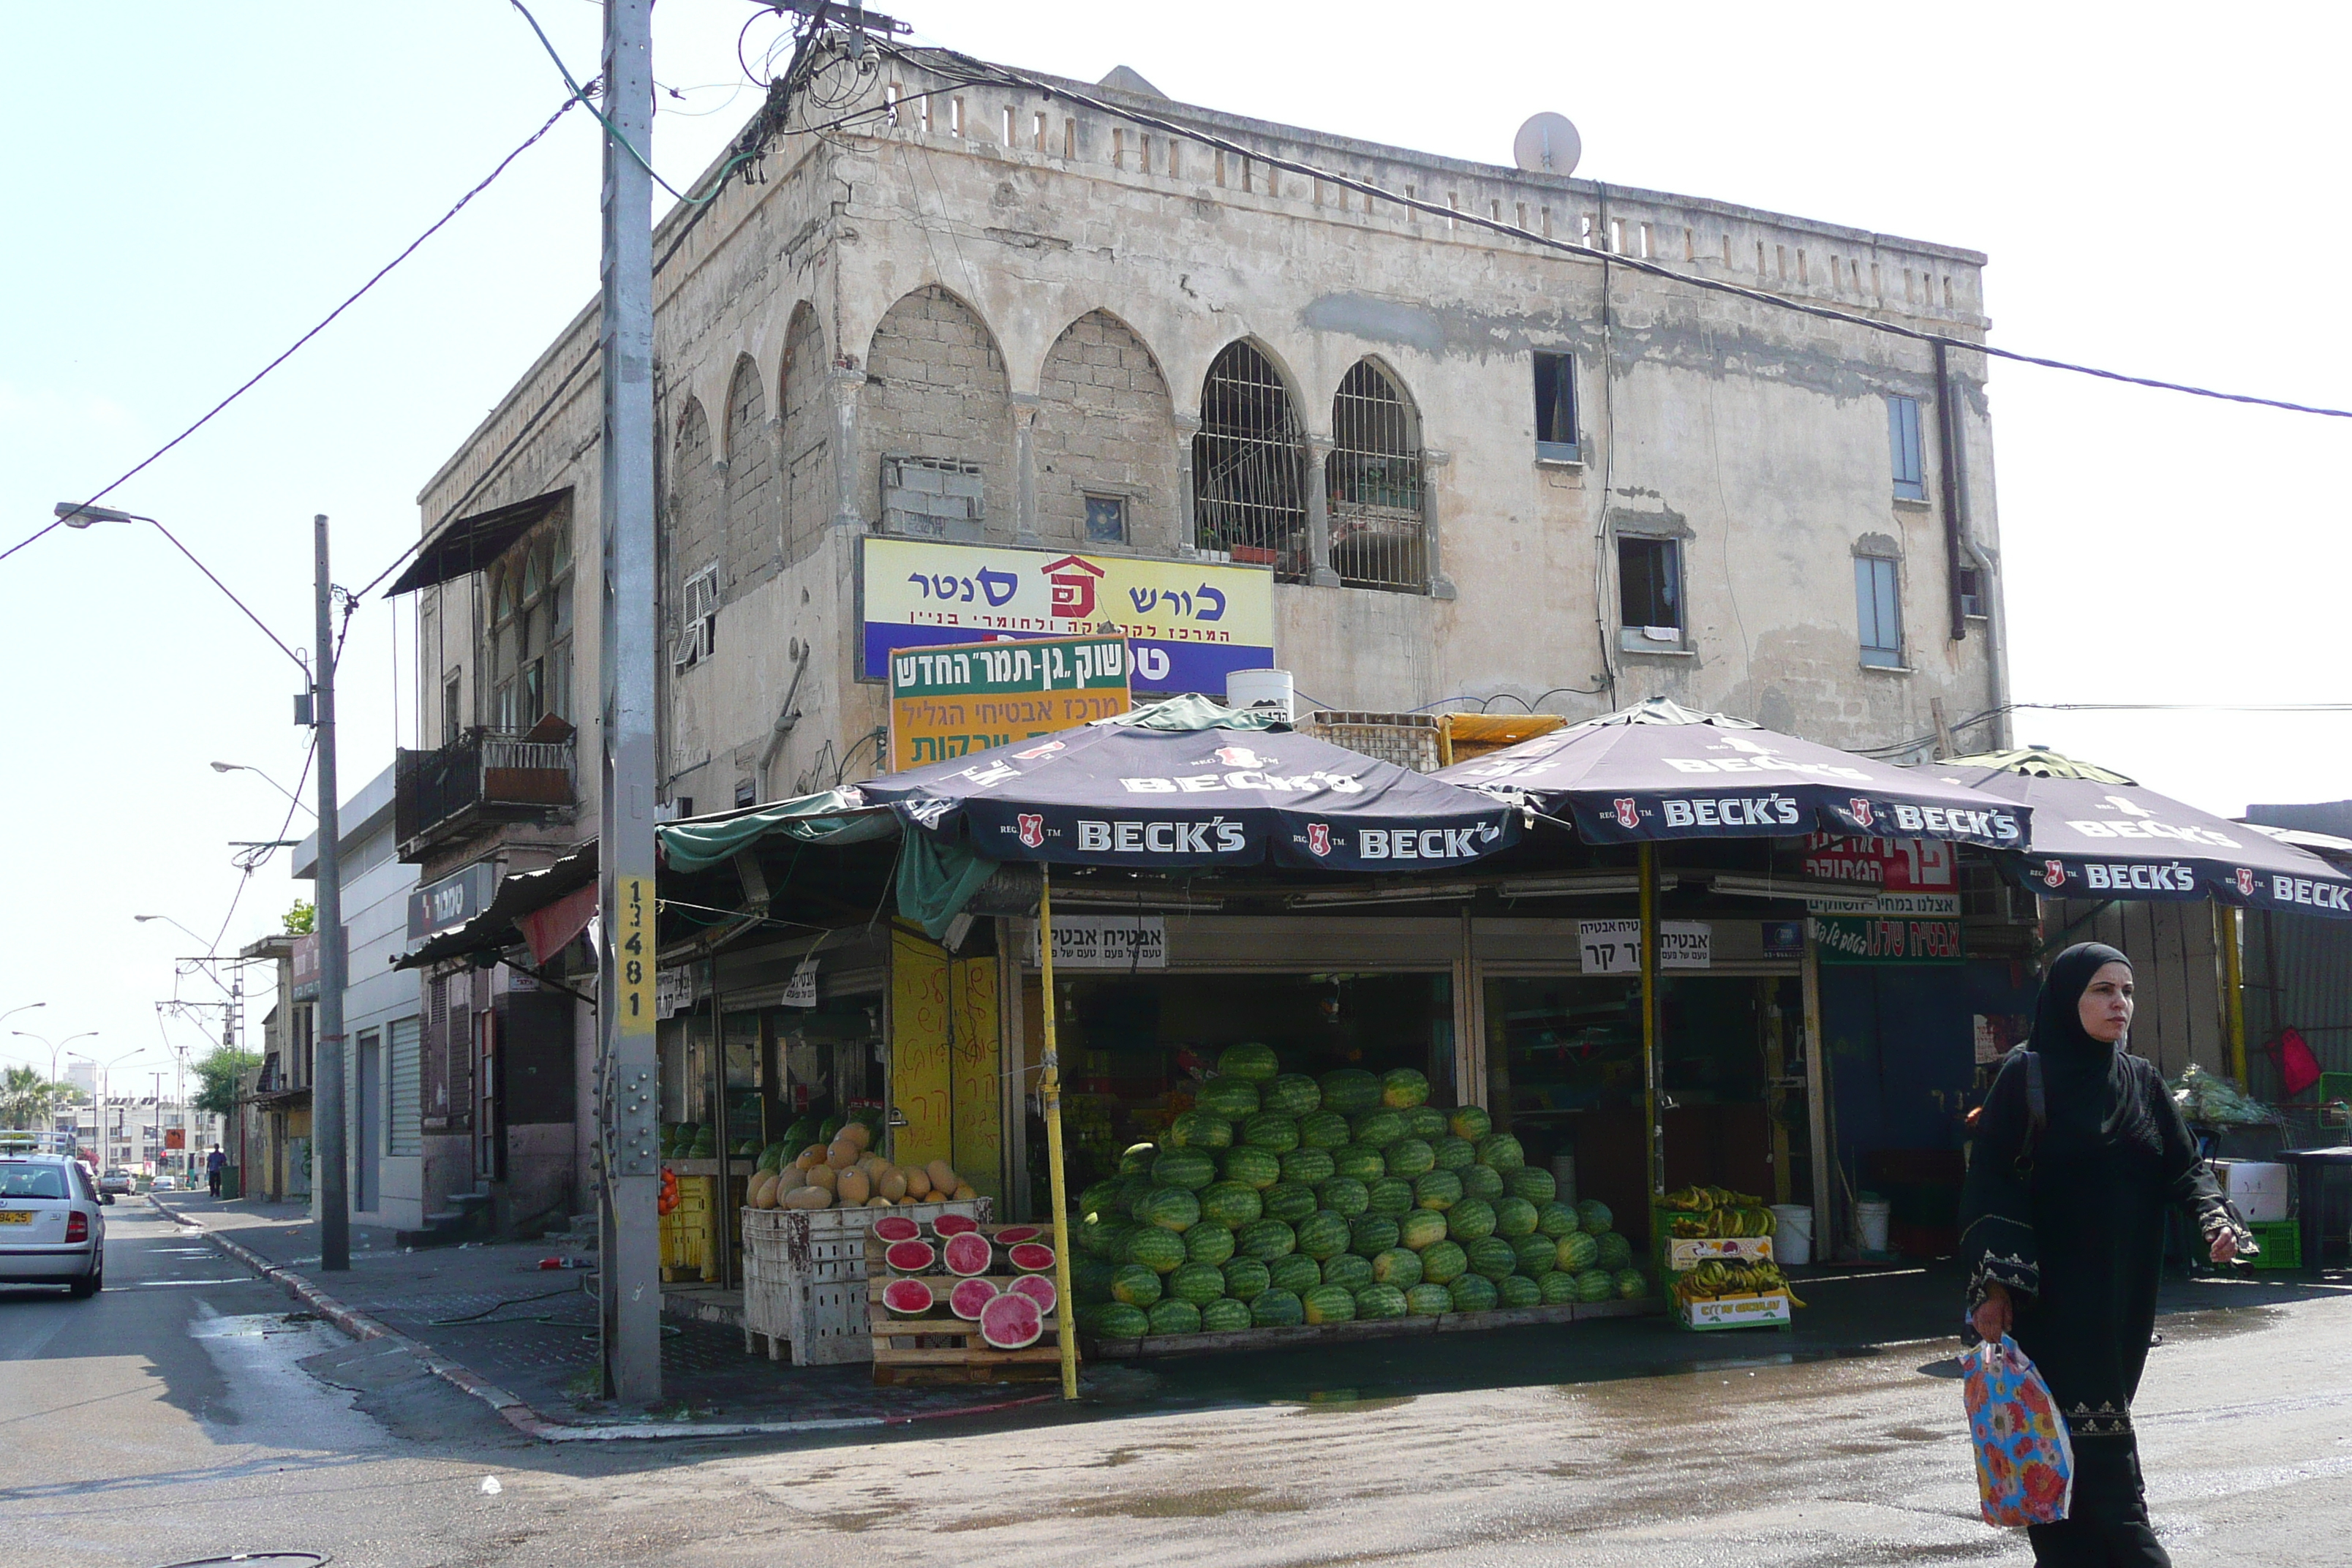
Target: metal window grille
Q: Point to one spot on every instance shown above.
(1249, 466)
(1408, 740)
(1373, 480)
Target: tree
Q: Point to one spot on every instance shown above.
(27, 1098)
(302, 918)
(217, 1073)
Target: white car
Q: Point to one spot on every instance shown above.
(52, 1231)
(164, 1185)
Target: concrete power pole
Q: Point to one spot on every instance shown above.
(627, 1083)
(327, 1143)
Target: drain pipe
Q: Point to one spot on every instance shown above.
(789, 716)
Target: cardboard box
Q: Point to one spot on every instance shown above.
(1685, 1253)
(1770, 1309)
(2259, 1189)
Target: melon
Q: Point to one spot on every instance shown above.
(1471, 1219)
(1473, 1293)
(1398, 1268)
(1409, 1157)
(1518, 1291)
(1401, 1089)
(1245, 1278)
(808, 1197)
(1442, 1262)
(968, 1297)
(1452, 1153)
(1538, 1255)
(1089, 1279)
(1632, 1285)
(1268, 1131)
(1162, 1251)
(1250, 1061)
(943, 1176)
(1231, 1097)
(1276, 1309)
(1469, 1121)
(1492, 1257)
(1372, 1234)
(1037, 1287)
(1225, 1315)
(1420, 1228)
(1012, 1323)
(908, 1297)
(1533, 1183)
(1230, 1204)
(1558, 1288)
(1361, 1160)
(1347, 1270)
(1595, 1285)
(1439, 1190)
(1351, 1091)
(1390, 1195)
(1191, 1169)
(1200, 1130)
(1377, 1128)
(1257, 1168)
(1514, 1217)
(825, 1176)
(966, 1252)
(1198, 1283)
(1118, 1321)
(841, 1153)
(1501, 1151)
(1556, 1220)
(1137, 1159)
(1208, 1244)
(954, 1224)
(1104, 1237)
(1324, 1129)
(1015, 1234)
(1480, 1182)
(1615, 1252)
(1428, 1300)
(1425, 1122)
(1576, 1251)
(1265, 1239)
(1291, 1094)
(896, 1227)
(1135, 1285)
(911, 1257)
(1169, 1315)
(891, 1184)
(1322, 1235)
(1170, 1208)
(1297, 1273)
(919, 1183)
(1345, 1196)
(1031, 1257)
(1329, 1304)
(1290, 1202)
(1594, 1216)
(1308, 1165)
(759, 1193)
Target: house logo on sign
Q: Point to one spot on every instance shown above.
(1073, 579)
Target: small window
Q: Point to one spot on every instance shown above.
(1650, 595)
(1556, 407)
(1972, 594)
(1879, 602)
(451, 715)
(1903, 441)
(1106, 519)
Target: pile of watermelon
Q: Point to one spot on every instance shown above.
(954, 1266)
(1282, 1199)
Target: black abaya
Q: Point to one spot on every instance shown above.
(2070, 1220)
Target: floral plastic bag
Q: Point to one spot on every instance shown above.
(2025, 1463)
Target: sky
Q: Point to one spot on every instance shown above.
(195, 187)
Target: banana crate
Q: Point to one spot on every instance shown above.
(1759, 1309)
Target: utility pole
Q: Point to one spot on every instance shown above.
(328, 1092)
(628, 1100)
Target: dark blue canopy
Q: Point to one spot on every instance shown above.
(1188, 783)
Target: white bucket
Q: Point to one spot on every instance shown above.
(1792, 1237)
(1563, 1172)
(1870, 1219)
(1262, 688)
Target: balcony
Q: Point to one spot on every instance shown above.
(484, 776)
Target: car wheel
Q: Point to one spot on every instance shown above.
(83, 1289)
(106, 1200)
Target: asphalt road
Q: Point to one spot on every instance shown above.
(182, 1414)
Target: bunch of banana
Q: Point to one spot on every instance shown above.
(1687, 1227)
(1714, 1279)
(1688, 1200)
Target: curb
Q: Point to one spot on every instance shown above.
(360, 1326)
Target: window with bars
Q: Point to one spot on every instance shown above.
(1249, 466)
(1878, 601)
(1373, 482)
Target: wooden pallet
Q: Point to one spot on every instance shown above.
(941, 1347)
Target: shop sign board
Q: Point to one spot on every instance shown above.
(1192, 623)
(1897, 865)
(1737, 1311)
(1106, 941)
(1944, 906)
(453, 900)
(801, 991)
(1614, 947)
(947, 702)
(673, 991)
(1783, 938)
(1888, 939)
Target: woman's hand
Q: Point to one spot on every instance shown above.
(1992, 1315)
(2225, 1247)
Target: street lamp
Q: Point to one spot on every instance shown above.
(54, 1049)
(264, 778)
(25, 1008)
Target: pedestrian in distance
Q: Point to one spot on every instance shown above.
(2078, 1155)
(215, 1163)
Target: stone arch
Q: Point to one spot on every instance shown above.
(695, 506)
(937, 411)
(805, 447)
(1249, 463)
(750, 477)
(1105, 433)
(1373, 480)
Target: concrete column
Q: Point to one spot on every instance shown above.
(1024, 457)
(848, 462)
(1441, 586)
(1319, 514)
(1185, 533)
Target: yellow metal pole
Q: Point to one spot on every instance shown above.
(1652, 1135)
(1049, 1089)
(2228, 929)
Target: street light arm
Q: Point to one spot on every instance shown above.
(75, 515)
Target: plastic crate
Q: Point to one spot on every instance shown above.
(804, 1277)
(2281, 1242)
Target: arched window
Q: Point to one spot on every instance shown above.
(1373, 481)
(1249, 464)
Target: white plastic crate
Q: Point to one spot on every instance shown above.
(804, 1277)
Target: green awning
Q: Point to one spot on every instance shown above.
(830, 816)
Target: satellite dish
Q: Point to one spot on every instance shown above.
(1548, 144)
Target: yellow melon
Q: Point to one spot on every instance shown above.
(918, 1182)
(859, 1133)
(824, 1178)
(808, 1198)
(943, 1177)
(891, 1185)
(853, 1186)
(965, 1194)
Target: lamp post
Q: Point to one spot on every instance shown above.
(25, 1008)
(264, 778)
(55, 1047)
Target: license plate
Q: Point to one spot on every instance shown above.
(15, 1216)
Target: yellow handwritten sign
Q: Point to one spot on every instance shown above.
(951, 701)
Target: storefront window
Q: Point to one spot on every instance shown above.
(829, 1060)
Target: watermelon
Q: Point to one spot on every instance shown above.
(913, 1258)
(1290, 1202)
(1322, 1235)
(1576, 1251)
(801, 1134)
(1375, 1301)
(1538, 1255)
(1030, 1257)
(1482, 1182)
(1162, 1251)
(1398, 1268)
(1231, 1097)
(947, 1225)
(1012, 1323)
(1361, 1160)
(773, 1157)
(909, 1298)
(1428, 1300)
(1371, 1234)
(1135, 1285)
(1265, 1239)
(1410, 1157)
(1390, 1195)
(967, 1252)
(1170, 1208)
(1104, 1239)
(968, 1297)
(1276, 1309)
(1377, 1128)
(1558, 1286)
(1198, 1283)
(1291, 1094)
(1595, 1285)
(1137, 1160)
(1110, 1199)
(1329, 1304)
(1250, 1062)
(1225, 1315)
(1442, 1262)
(1594, 1216)
(893, 1227)
(1425, 1122)
(1471, 1219)
(1469, 1121)
(1453, 1153)
(1556, 1220)
(1420, 1229)
(1191, 1169)
(1492, 1257)
(1615, 1252)
(1439, 1190)
(1347, 1270)
(1345, 1196)
(1118, 1321)
(1173, 1317)
(1351, 1091)
(1230, 1204)
(1323, 1130)
(1308, 1165)
(1199, 1129)
(1501, 1151)
(1090, 1279)
(1401, 1089)
(1257, 1168)
(1037, 1287)
(1245, 1278)
(1297, 1273)
(1632, 1286)
(1209, 1243)
(1473, 1293)
(1514, 1217)
(1015, 1234)
(1267, 1131)
(1533, 1183)
(1518, 1291)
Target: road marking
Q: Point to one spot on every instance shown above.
(168, 1284)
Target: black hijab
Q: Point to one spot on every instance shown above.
(2089, 1081)
(2058, 1031)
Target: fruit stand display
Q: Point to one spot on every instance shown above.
(1283, 1205)
(954, 1300)
(1714, 1251)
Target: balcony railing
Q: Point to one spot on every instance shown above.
(484, 775)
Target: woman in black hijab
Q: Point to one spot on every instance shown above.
(2062, 1228)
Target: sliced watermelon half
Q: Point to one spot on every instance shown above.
(966, 1254)
(1015, 1234)
(1012, 1321)
(896, 1227)
(910, 1256)
(968, 1297)
(1038, 1289)
(1032, 1256)
(949, 1225)
(908, 1297)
